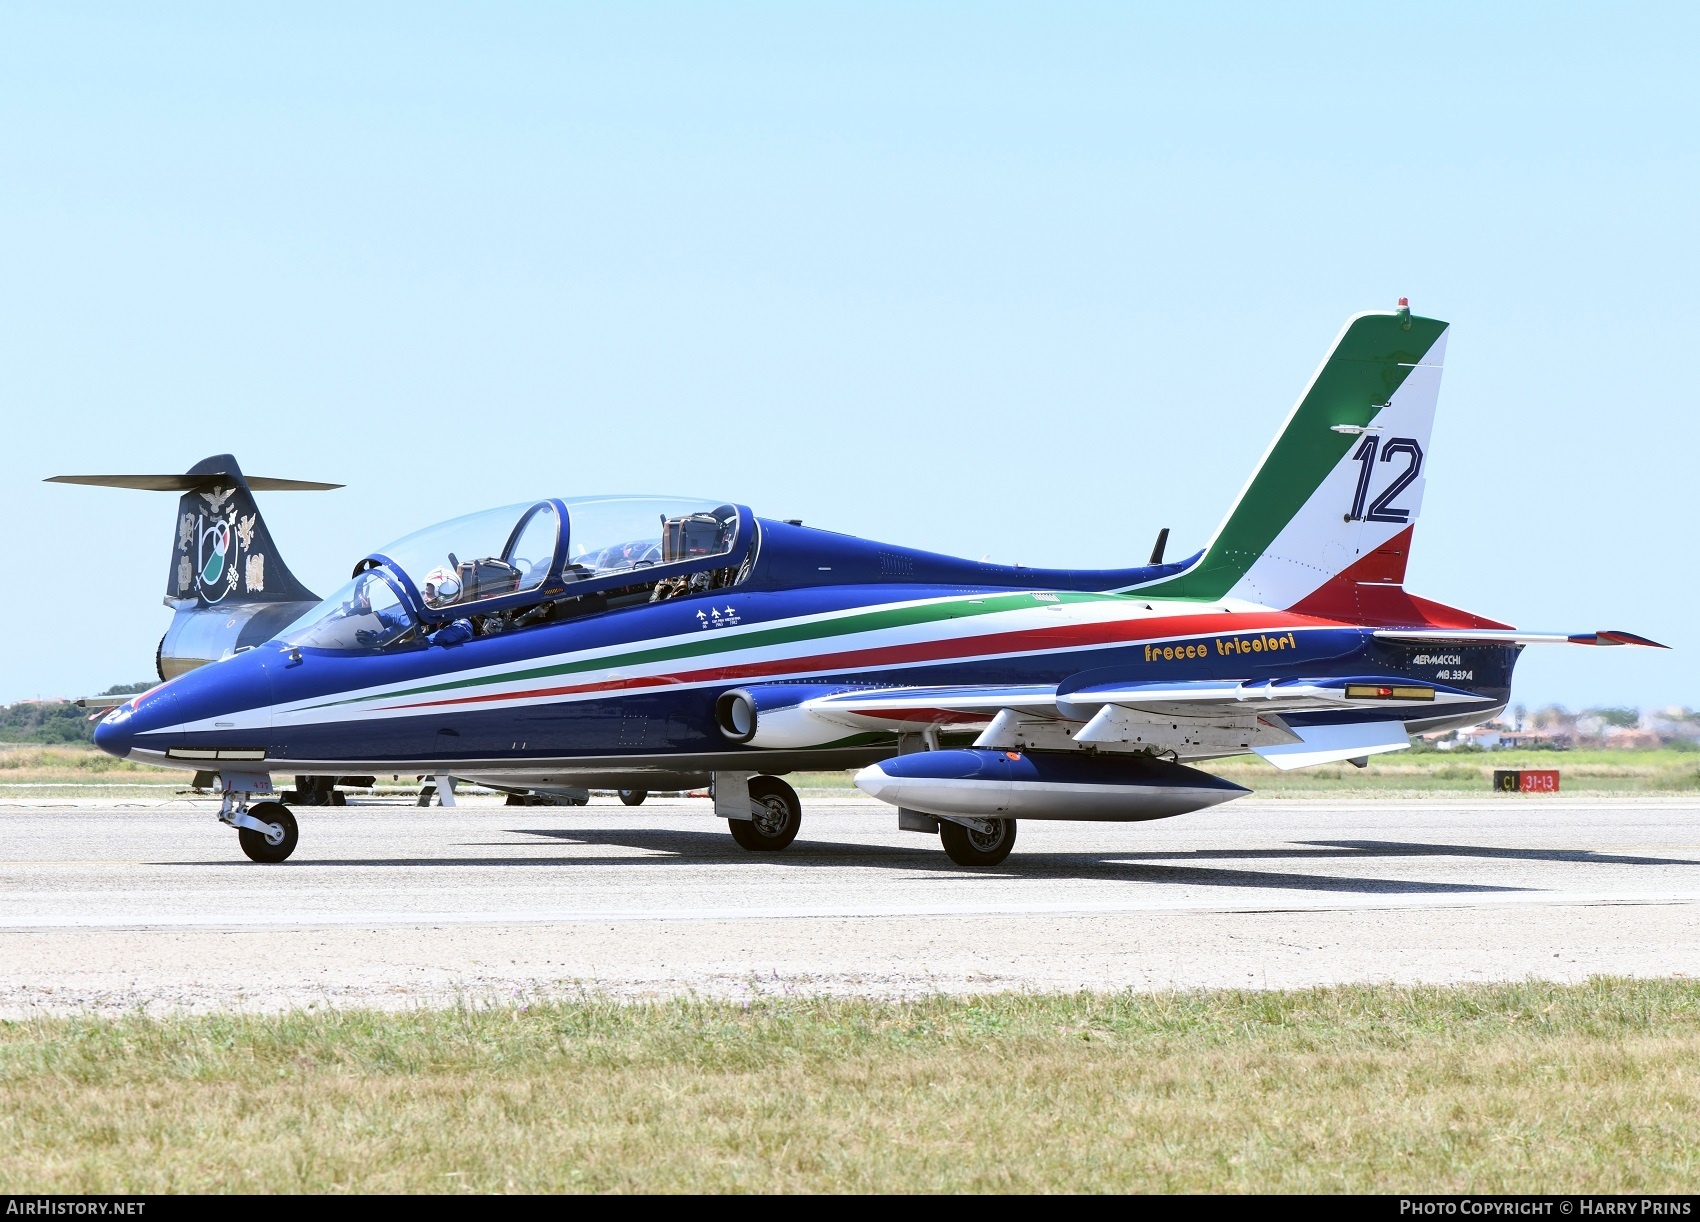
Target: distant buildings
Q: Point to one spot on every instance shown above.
(1557, 729)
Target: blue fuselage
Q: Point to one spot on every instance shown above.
(635, 688)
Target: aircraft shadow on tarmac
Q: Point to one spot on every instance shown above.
(691, 847)
(673, 846)
(1347, 849)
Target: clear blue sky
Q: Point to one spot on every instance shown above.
(1028, 280)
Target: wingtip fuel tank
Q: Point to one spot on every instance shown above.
(983, 784)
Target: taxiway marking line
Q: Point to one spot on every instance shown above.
(20, 865)
(234, 924)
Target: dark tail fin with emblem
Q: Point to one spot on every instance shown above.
(221, 551)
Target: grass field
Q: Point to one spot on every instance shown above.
(27, 770)
(1508, 1088)
(1601, 772)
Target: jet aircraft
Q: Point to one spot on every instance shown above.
(647, 642)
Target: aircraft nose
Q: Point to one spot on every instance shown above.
(117, 731)
(114, 735)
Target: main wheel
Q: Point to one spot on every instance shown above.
(968, 847)
(777, 816)
(255, 843)
(633, 797)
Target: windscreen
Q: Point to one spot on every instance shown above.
(367, 613)
(483, 555)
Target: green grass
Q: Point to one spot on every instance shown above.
(1598, 772)
(30, 770)
(1483, 1089)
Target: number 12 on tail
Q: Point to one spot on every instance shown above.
(1382, 509)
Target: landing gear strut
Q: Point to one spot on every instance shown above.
(776, 815)
(986, 842)
(266, 830)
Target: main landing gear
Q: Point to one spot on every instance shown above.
(776, 814)
(977, 842)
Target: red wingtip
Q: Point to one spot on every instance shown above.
(1609, 637)
(1629, 638)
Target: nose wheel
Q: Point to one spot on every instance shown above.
(267, 832)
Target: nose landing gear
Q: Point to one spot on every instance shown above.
(266, 830)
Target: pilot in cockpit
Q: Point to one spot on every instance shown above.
(441, 587)
(467, 581)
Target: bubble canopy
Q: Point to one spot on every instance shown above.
(561, 547)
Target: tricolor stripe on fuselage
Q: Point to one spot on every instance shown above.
(929, 633)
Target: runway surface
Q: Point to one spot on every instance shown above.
(117, 904)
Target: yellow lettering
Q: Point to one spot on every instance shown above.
(1148, 653)
(1257, 646)
(1219, 650)
(1168, 654)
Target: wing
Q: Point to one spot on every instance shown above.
(1193, 720)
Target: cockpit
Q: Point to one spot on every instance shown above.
(521, 565)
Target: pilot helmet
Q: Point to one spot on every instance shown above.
(441, 587)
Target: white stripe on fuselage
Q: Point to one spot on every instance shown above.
(358, 704)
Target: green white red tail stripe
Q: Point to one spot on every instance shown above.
(1343, 478)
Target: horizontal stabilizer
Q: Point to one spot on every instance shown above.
(188, 483)
(1490, 636)
(221, 551)
(1331, 744)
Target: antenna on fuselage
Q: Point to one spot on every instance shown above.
(1157, 549)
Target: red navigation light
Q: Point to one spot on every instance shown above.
(1404, 303)
(1383, 691)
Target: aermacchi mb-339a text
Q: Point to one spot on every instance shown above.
(655, 642)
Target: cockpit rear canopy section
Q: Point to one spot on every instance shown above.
(521, 564)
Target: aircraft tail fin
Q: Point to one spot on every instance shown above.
(1337, 492)
(221, 550)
